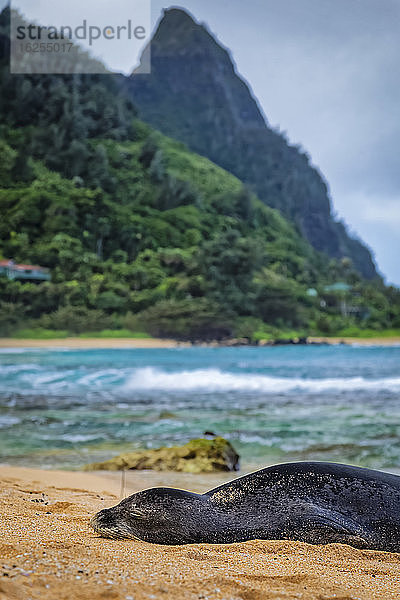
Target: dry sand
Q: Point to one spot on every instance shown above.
(88, 343)
(48, 551)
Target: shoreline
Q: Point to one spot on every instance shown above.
(145, 343)
(49, 551)
(92, 343)
(375, 341)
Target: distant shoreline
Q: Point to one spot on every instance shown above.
(143, 343)
(88, 343)
(375, 341)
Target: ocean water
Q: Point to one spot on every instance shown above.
(64, 408)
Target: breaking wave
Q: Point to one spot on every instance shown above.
(214, 380)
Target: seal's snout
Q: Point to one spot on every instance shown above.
(93, 522)
(101, 521)
(109, 524)
(99, 517)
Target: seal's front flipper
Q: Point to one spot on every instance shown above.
(329, 533)
(322, 526)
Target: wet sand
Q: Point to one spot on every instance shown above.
(49, 552)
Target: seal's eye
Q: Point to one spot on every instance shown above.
(138, 514)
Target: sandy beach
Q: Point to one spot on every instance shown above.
(49, 552)
(88, 343)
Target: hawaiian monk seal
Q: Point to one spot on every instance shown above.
(312, 502)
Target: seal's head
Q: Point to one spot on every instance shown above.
(157, 515)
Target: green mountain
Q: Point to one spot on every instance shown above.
(195, 95)
(139, 233)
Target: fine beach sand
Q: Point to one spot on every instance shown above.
(98, 343)
(48, 551)
(89, 343)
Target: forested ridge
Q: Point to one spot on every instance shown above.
(141, 234)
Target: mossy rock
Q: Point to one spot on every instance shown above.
(197, 456)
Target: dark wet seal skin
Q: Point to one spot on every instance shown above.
(312, 502)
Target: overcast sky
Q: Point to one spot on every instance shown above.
(327, 72)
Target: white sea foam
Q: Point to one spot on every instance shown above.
(214, 380)
(100, 377)
(8, 421)
(31, 379)
(11, 369)
(372, 344)
(78, 438)
(15, 350)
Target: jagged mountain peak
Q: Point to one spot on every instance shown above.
(177, 15)
(178, 33)
(192, 55)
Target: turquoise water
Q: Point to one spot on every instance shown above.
(64, 408)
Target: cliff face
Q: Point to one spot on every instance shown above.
(195, 95)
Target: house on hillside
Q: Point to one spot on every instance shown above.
(342, 295)
(12, 270)
(339, 287)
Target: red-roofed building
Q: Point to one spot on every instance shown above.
(12, 270)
